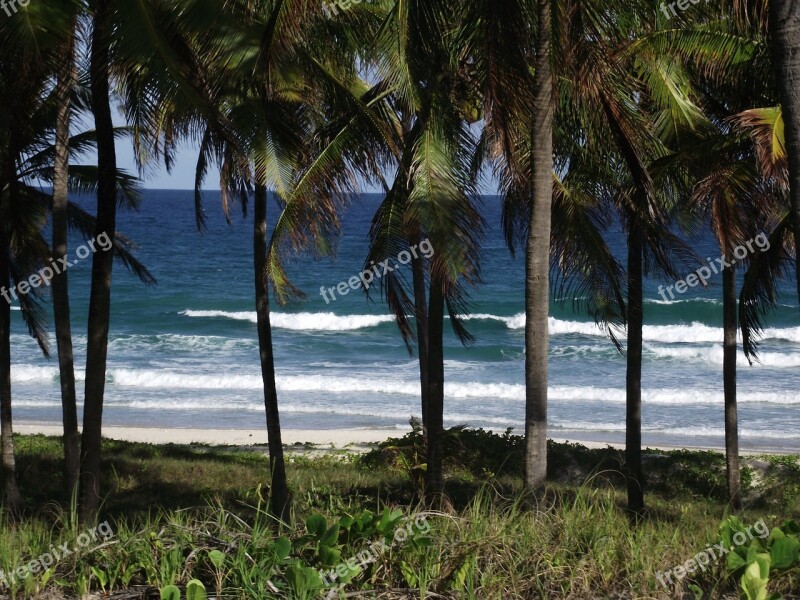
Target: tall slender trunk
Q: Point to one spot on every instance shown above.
(102, 264)
(784, 23)
(279, 488)
(13, 499)
(729, 378)
(537, 260)
(60, 283)
(633, 383)
(421, 318)
(435, 474)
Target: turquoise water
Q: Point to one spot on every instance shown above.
(184, 353)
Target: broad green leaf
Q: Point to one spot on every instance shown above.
(217, 558)
(785, 552)
(317, 525)
(329, 557)
(170, 592)
(195, 590)
(734, 561)
(753, 585)
(282, 547)
(331, 536)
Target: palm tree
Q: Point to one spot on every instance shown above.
(518, 106)
(589, 106)
(732, 197)
(65, 82)
(595, 106)
(266, 121)
(47, 36)
(761, 179)
(22, 248)
(537, 254)
(33, 128)
(784, 35)
(431, 197)
(722, 191)
(120, 25)
(724, 182)
(777, 22)
(759, 295)
(102, 262)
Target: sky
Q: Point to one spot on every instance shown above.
(182, 176)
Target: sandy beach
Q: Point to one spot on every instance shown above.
(340, 439)
(334, 438)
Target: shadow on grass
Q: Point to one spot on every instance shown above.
(139, 477)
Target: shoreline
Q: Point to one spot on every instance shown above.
(321, 439)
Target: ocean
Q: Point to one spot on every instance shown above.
(184, 354)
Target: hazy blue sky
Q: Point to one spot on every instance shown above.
(182, 176)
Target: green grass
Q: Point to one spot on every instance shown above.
(170, 506)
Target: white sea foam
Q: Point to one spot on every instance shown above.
(714, 355)
(683, 301)
(698, 431)
(346, 410)
(300, 321)
(173, 342)
(382, 386)
(686, 333)
(28, 373)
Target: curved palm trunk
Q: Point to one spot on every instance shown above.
(421, 318)
(102, 264)
(60, 283)
(279, 487)
(784, 23)
(729, 378)
(13, 499)
(537, 260)
(434, 477)
(633, 384)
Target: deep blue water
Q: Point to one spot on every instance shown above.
(184, 353)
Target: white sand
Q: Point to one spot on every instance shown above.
(354, 439)
(336, 438)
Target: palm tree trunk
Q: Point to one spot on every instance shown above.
(729, 378)
(102, 264)
(537, 260)
(13, 499)
(279, 488)
(633, 387)
(421, 318)
(60, 283)
(784, 23)
(435, 474)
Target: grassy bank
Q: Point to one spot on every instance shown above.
(175, 513)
